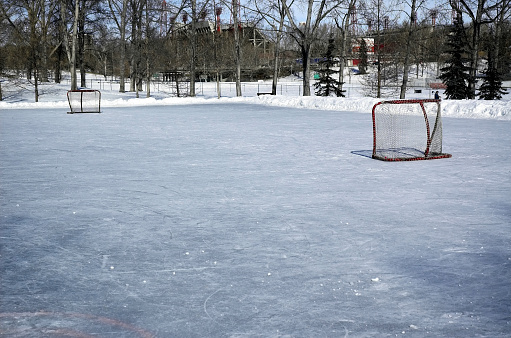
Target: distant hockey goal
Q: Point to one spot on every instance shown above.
(84, 101)
(407, 130)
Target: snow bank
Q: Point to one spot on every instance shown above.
(450, 108)
(479, 109)
(363, 105)
(55, 98)
(33, 105)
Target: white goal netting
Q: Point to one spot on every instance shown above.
(84, 101)
(405, 130)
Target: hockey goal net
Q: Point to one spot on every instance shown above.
(84, 101)
(407, 130)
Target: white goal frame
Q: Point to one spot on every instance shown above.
(84, 101)
(407, 130)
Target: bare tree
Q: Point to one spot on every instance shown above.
(305, 33)
(88, 15)
(274, 14)
(195, 11)
(502, 15)
(479, 13)
(146, 48)
(233, 6)
(343, 26)
(34, 17)
(71, 52)
(46, 14)
(381, 15)
(5, 26)
(118, 9)
(136, 11)
(406, 61)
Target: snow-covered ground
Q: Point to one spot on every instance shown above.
(249, 217)
(289, 92)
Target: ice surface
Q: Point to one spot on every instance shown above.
(235, 219)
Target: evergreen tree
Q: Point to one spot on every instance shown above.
(327, 85)
(455, 75)
(362, 55)
(491, 88)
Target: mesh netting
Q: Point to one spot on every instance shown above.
(84, 101)
(407, 130)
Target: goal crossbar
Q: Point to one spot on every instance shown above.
(407, 130)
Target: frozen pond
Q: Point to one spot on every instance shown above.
(229, 220)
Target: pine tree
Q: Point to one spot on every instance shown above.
(491, 88)
(455, 75)
(362, 54)
(327, 85)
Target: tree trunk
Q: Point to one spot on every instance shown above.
(193, 41)
(139, 67)
(344, 37)
(122, 55)
(218, 87)
(58, 70)
(74, 84)
(215, 55)
(148, 64)
(305, 49)
(45, 18)
(502, 12)
(122, 61)
(406, 61)
(71, 54)
(378, 80)
(474, 58)
(237, 47)
(43, 59)
(81, 44)
(135, 17)
(342, 59)
(34, 49)
(36, 85)
(276, 53)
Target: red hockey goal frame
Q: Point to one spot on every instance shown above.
(390, 122)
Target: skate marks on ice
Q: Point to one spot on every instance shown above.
(55, 324)
(185, 222)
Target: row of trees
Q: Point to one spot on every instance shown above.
(460, 73)
(135, 39)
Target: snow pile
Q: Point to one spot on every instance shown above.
(359, 104)
(477, 109)
(54, 96)
(33, 105)
(451, 108)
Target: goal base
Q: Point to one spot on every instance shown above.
(84, 112)
(406, 154)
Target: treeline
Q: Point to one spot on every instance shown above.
(193, 40)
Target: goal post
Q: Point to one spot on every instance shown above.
(407, 130)
(84, 101)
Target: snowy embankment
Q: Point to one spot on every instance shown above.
(54, 96)
(500, 110)
(451, 108)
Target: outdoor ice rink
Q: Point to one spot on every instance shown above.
(244, 220)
